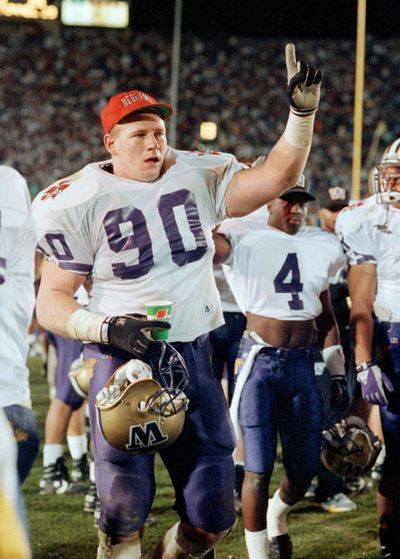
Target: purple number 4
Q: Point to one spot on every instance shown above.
(294, 286)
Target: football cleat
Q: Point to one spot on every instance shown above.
(281, 547)
(91, 498)
(55, 479)
(80, 469)
(96, 513)
(338, 503)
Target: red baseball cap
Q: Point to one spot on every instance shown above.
(127, 102)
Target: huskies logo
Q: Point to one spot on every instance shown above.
(55, 190)
(145, 436)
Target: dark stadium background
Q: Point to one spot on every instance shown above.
(274, 18)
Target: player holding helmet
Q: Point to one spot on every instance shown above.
(141, 223)
(280, 278)
(370, 232)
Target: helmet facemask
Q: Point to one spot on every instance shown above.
(386, 179)
(172, 374)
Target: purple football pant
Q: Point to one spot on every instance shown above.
(387, 339)
(67, 351)
(199, 463)
(281, 396)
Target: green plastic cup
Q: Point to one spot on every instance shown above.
(159, 310)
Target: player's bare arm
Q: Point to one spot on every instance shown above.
(251, 188)
(55, 301)
(328, 330)
(362, 289)
(332, 353)
(222, 247)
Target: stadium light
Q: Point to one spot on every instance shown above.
(32, 9)
(208, 131)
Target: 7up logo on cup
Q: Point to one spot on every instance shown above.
(159, 310)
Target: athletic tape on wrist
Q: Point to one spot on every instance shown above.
(299, 130)
(334, 360)
(87, 326)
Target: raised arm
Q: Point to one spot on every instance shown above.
(251, 188)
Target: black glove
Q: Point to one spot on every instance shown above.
(131, 332)
(339, 394)
(304, 83)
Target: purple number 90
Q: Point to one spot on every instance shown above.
(140, 239)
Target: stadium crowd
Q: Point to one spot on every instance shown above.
(108, 234)
(54, 85)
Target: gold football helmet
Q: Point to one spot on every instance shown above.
(350, 448)
(80, 373)
(141, 408)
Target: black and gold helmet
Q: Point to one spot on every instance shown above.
(350, 448)
(141, 409)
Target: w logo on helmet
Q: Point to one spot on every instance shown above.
(145, 436)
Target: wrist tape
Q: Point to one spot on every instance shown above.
(334, 360)
(299, 130)
(87, 326)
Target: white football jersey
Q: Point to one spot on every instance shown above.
(142, 241)
(276, 275)
(254, 220)
(18, 239)
(370, 233)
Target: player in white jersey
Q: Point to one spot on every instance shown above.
(280, 278)
(18, 239)
(370, 233)
(141, 224)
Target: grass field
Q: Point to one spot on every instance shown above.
(61, 530)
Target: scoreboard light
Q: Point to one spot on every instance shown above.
(32, 9)
(95, 13)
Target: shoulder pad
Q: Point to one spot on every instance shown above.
(72, 191)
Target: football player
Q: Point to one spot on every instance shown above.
(18, 237)
(370, 233)
(280, 278)
(330, 490)
(142, 224)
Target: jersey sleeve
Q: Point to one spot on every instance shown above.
(223, 167)
(357, 245)
(61, 217)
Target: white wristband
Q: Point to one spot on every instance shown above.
(299, 130)
(87, 326)
(334, 360)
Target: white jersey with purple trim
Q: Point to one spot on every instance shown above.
(276, 275)
(252, 221)
(370, 234)
(18, 239)
(142, 241)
